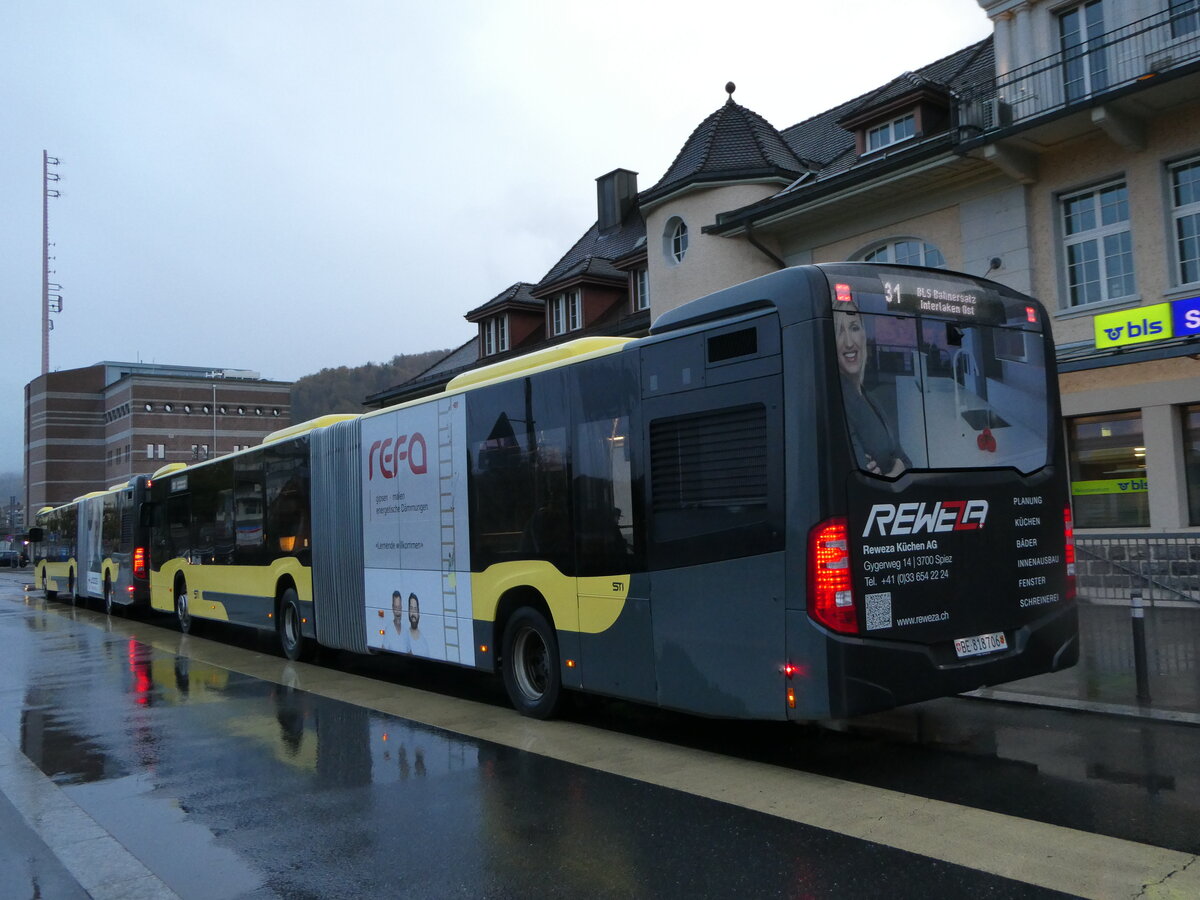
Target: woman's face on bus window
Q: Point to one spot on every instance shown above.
(851, 344)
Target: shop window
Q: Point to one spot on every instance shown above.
(1191, 460)
(1108, 471)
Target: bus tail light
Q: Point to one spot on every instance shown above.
(1069, 552)
(830, 593)
(139, 562)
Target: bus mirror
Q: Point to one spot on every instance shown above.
(35, 536)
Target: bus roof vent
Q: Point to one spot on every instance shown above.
(310, 425)
(168, 469)
(571, 351)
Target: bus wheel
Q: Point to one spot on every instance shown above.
(108, 596)
(531, 674)
(291, 638)
(181, 608)
(71, 586)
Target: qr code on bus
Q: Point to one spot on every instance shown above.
(879, 610)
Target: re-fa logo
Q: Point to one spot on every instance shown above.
(913, 518)
(393, 451)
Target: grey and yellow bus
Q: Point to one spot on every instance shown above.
(830, 490)
(95, 547)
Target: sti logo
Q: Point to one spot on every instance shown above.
(1134, 326)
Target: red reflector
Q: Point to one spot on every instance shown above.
(843, 293)
(1069, 551)
(139, 562)
(830, 592)
(790, 669)
(1031, 314)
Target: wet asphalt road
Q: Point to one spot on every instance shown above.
(222, 784)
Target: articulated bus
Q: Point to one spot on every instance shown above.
(831, 490)
(94, 548)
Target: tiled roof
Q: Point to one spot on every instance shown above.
(732, 142)
(594, 252)
(831, 148)
(513, 295)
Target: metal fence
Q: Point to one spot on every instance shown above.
(1164, 567)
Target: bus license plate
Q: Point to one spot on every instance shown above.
(977, 646)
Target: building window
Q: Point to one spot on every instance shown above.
(907, 253)
(1108, 471)
(149, 451)
(1098, 247)
(1185, 17)
(1191, 460)
(1185, 202)
(161, 451)
(1085, 66)
(495, 335)
(675, 241)
(566, 313)
(641, 289)
(892, 132)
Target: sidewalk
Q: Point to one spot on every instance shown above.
(1104, 680)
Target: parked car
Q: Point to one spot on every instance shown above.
(12, 559)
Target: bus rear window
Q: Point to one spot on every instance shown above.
(936, 394)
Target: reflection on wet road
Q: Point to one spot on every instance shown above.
(224, 784)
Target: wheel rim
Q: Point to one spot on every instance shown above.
(532, 664)
(291, 626)
(181, 610)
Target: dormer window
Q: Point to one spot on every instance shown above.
(495, 335)
(892, 132)
(566, 312)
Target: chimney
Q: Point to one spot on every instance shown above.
(616, 194)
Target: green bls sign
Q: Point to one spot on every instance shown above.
(1133, 326)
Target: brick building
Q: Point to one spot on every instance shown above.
(88, 428)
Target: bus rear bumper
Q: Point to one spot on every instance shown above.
(871, 675)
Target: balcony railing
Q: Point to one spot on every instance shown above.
(1080, 75)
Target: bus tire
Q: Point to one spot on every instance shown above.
(532, 676)
(108, 596)
(182, 614)
(288, 626)
(71, 587)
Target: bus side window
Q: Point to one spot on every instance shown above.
(603, 497)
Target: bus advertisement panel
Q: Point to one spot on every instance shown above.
(417, 560)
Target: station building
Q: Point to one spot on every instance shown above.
(89, 428)
(1060, 156)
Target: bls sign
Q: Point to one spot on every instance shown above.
(1134, 326)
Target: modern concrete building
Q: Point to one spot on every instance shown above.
(88, 428)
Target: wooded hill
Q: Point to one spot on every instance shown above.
(342, 390)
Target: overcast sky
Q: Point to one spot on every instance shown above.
(289, 185)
